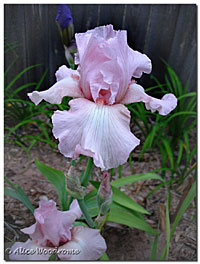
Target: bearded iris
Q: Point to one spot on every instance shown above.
(54, 230)
(97, 124)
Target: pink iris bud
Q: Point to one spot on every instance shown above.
(104, 195)
(54, 233)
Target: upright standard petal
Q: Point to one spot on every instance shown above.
(67, 85)
(107, 63)
(138, 63)
(86, 243)
(136, 93)
(96, 130)
(52, 226)
(103, 63)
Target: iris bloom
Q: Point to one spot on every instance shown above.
(54, 230)
(97, 124)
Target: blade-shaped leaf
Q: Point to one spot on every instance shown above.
(57, 178)
(19, 194)
(123, 217)
(123, 199)
(135, 178)
(189, 198)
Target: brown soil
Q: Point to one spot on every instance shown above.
(123, 243)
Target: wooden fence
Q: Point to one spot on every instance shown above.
(167, 31)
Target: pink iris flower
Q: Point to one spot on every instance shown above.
(97, 124)
(54, 230)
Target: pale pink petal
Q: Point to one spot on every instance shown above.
(100, 131)
(107, 63)
(82, 39)
(136, 93)
(67, 85)
(52, 226)
(103, 55)
(29, 250)
(138, 63)
(164, 106)
(64, 72)
(75, 209)
(87, 244)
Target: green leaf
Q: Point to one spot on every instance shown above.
(153, 254)
(104, 257)
(180, 153)
(135, 178)
(189, 198)
(17, 193)
(191, 113)
(20, 89)
(53, 257)
(123, 199)
(57, 178)
(41, 80)
(168, 226)
(91, 194)
(169, 152)
(78, 223)
(20, 74)
(92, 206)
(125, 218)
(148, 141)
(187, 95)
(158, 187)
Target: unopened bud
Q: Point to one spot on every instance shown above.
(73, 184)
(104, 195)
(65, 24)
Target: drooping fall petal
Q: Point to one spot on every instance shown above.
(96, 130)
(67, 85)
(136, 93)
(52, 226)
(87, 241)
(29, 250)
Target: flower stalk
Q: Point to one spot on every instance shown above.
(87, 172)
(86, 214)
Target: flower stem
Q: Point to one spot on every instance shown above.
(87, 172)
(85, 213)
(120, 171)
(111, 173)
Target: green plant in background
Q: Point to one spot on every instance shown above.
(21, 114)
(123, 209)
(170, 134)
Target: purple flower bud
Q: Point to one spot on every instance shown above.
(64, 16)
